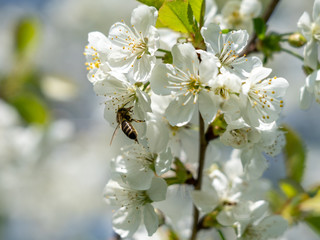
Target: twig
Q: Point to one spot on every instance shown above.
(197, 185)
(252, 45)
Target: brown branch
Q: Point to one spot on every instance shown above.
(198, 182)
(252, 45)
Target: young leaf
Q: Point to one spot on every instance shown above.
(174, 15)
(197, 6)
(26, 35)
(155, 3)
(31, 108)
(259, 27)
(314, 223)
(295, 155)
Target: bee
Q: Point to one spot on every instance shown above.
(124, 122)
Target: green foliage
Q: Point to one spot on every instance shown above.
(167, 58)
(26, 35)
(198, 7)
(155, 3)
(295, 155)
(176, 16)
(260, 28)
(290, 188)
(31, 108)
(314, 223)
(183, 175)
(216, 128)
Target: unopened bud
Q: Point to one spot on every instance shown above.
(297, 40)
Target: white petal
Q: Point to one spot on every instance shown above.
(125, 222)
(254, 163)
(207, 106)
(158, 189)
(208, 69)
(143, 100)
(143, 68)
(159, 128)
(159, 80)
(163, 162)
(238, 38)
(258, 209)
(251, 8)
(304, 24)
(137, 179)
(259, 73)
(143, 17)
(213, 37)
(316, 9)
(205, 201)
(311, 54)
(185, 57)
(150, 219)
(225, 218)
(305, 98)
(311, 80)
(180, 112)
(272, 226)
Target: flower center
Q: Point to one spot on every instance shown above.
(315, 31)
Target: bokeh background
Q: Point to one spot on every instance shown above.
(53, 169)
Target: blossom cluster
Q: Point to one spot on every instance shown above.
(156, 104)
(310, 29)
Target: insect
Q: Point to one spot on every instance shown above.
(124, 122)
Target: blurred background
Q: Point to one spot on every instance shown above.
(54, 142)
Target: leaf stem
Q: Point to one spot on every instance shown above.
(162, 50)
(292, 53)
(197, 185)
(221, 234)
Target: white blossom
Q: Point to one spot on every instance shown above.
(134, 47)
(310, 90)
(261, 97)
(189, 82)
(239, 14)
(119, 93)
(137, 165)
(227, 47)
(310, 28)
(96, 53)
(134, 206)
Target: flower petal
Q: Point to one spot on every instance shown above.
(143, 17)
(205, 201)
(159, 80)
(213, 37)
(126, 221)
(305, 98)
(158, 189)
(150, 219)
(207, 106)
(316, 10)
(185, 57)
(311, 54)
(180, 112)
(304, 25)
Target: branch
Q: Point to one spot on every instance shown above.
(197, 186)
(252, 45)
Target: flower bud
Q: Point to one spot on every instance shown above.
(297, 40)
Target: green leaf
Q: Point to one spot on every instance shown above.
(26, 35)
(311, 204)
(197, 6)
(155, 3)
(31, 108)
(167, 58)
(290, 188)
(314, 223)
(259, 27)
(174, 15)
(295, 155)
